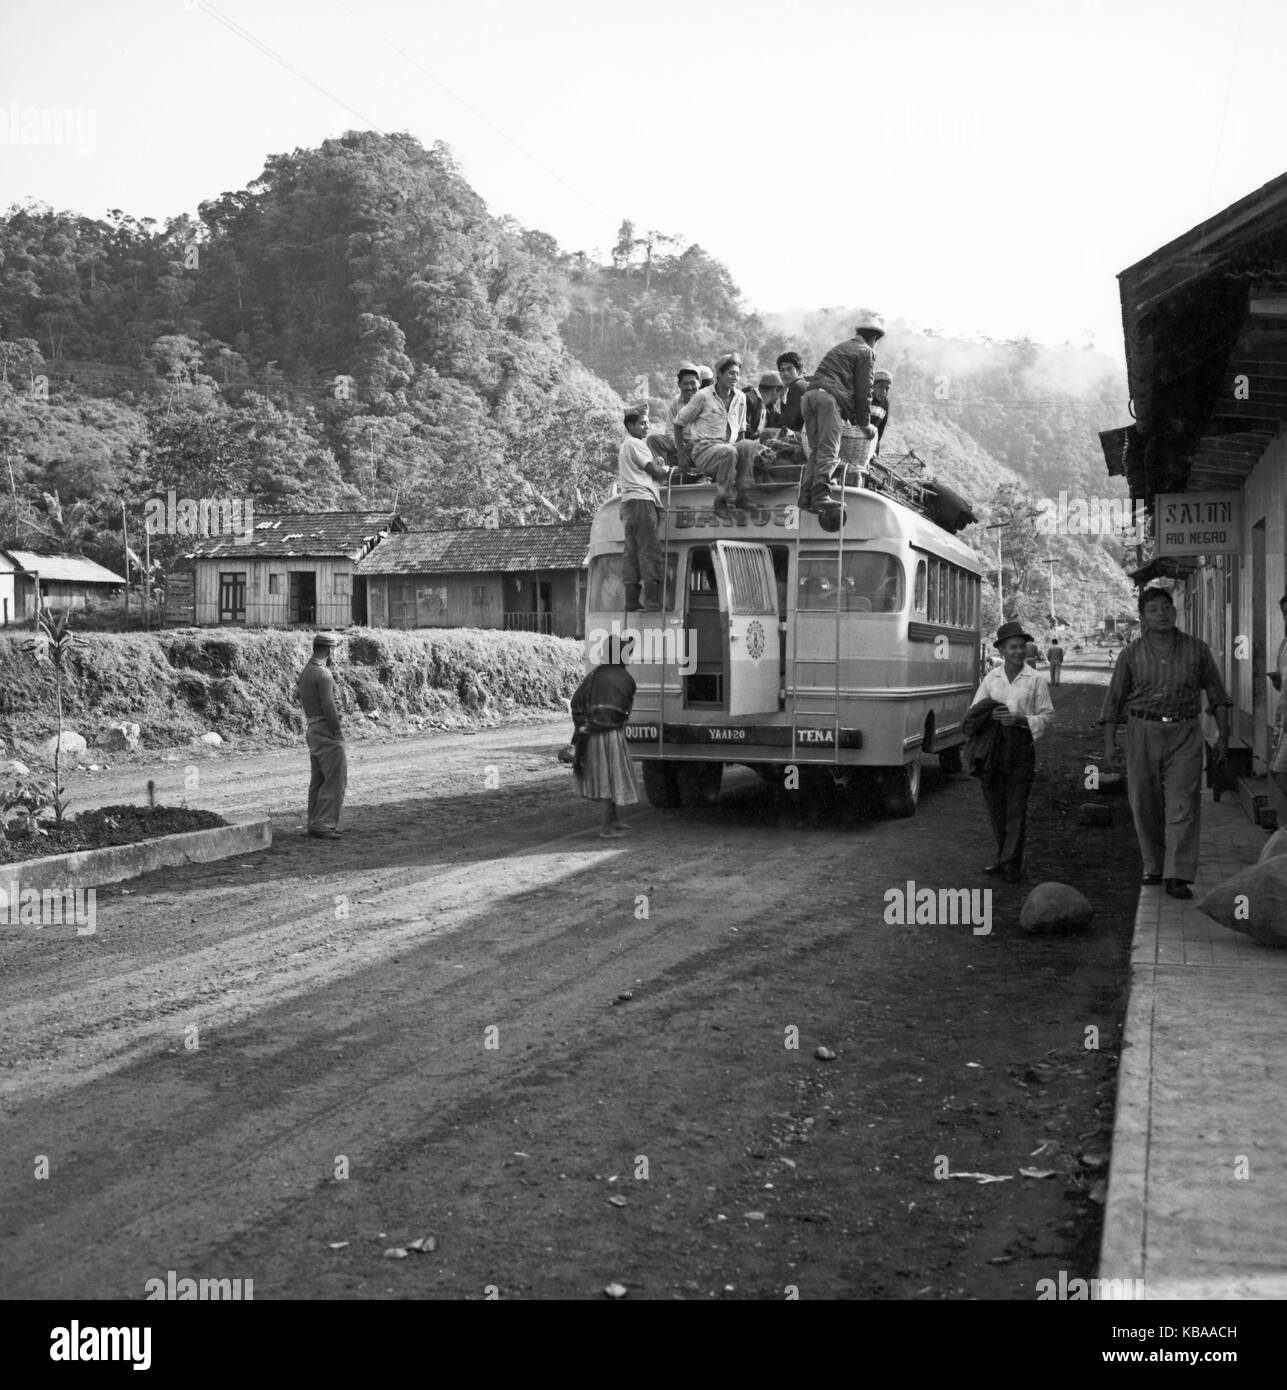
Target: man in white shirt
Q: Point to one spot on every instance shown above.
(638, 474)
(667, 438)
(714, 432)
(1020, 712)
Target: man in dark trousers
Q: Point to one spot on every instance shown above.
(1157, 688)
(1055, 656)
(1016, 699)
(839, 393)
(316, 691)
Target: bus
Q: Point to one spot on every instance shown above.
(826, 660)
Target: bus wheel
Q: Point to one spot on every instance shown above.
(699, 783)
(949, 760)
(660, 784)
(900, 790)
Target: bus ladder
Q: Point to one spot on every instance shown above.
(834, 660)
(650, 705)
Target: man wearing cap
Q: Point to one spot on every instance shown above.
(316, 692)
(1016, 700)
(705, 377)
(839, 393)
(714, 443)
(665, 443)
(762, 405)
(880, 383)
(1157, 688)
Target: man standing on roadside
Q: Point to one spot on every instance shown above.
(327, 758)
(1157, 688)
(839, 393)
(1278, 679)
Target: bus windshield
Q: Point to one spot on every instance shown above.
(871, 582)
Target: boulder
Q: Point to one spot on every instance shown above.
(213, 739)
(67, 742)
(13, 768)
(1094, 813)
(119, 737)
(1253, 902)
(1274, 846)
(1055, 907)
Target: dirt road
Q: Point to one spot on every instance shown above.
(280, 1067)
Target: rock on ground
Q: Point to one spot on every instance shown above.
(1055, 907)
(68, 742)
(119, 737)
(1253, 902)
(1274, 846)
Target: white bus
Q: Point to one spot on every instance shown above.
(821, 659)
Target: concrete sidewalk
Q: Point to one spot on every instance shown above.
(1197, 1192)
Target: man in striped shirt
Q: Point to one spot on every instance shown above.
(1157, 689)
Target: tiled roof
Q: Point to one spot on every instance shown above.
(67, 569)
(302, 533)
(481, 551)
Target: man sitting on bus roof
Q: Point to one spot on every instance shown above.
(839, 393)
(715, 443)
(666, 441)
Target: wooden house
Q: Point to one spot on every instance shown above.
(29, 582)
(295, 569)
(521, 578)
(1205, 320)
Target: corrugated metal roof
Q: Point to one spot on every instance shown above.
(303, 533)
(481, 551)
(69, 569)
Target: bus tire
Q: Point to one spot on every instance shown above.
(949, 760)
(661, 787)
(900, 790)
(699, 783)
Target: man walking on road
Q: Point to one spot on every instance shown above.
(1157, 687)
(327, 758)
(1009, 712)
(1055, 656)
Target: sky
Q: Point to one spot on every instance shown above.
(977, 168)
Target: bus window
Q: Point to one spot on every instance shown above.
(701, 572)
(872, 582)
(607, 592)
(919, 601)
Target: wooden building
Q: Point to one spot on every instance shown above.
(1205, 320)
(29, 582)
(523, 578)
(295, 569)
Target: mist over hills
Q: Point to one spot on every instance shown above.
(354, 329)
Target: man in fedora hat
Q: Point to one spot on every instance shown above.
(326, 755)
(1016, 700)
(839, 393)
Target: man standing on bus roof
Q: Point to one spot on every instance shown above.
(1157, 687)
(1009, 712)
(715, 443)
(638, 474)
(839, 393)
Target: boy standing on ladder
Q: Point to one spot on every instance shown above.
(638, 474)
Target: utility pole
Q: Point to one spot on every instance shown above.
(125, 542)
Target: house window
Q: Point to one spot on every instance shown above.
(480, 595)
(274, 583)
(343, 585)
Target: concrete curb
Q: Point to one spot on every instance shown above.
(92, 868)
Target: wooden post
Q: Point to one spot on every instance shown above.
(147, 579)
(125, 542)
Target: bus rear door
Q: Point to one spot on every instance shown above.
(749, 597)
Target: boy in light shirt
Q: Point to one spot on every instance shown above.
(638, 474)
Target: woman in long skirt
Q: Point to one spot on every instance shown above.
(600, 709)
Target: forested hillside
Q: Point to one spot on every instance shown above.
(354, 329)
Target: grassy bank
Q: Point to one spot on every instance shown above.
(179, 684)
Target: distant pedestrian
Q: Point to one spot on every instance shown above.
(1009, 712)
(1157, 689)
(327, 758)
(1055, 656)
(600, 709)
(1032, 654)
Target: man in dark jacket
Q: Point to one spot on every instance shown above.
(839, 393)
(327, 757)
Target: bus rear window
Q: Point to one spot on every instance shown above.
(607, 593)
(871, 582)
